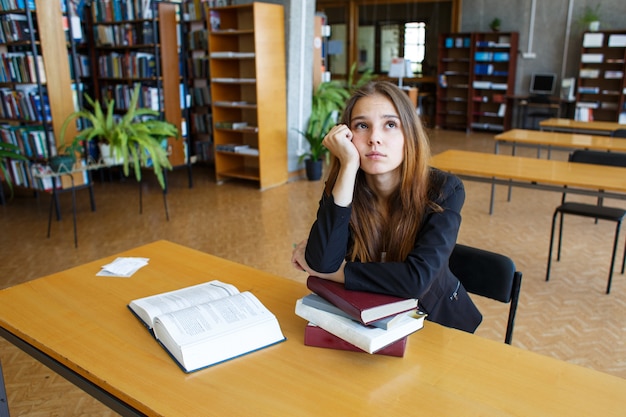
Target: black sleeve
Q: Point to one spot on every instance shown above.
(429, 258)
(328, 239)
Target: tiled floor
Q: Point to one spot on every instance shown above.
(569, 318)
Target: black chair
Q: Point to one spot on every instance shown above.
(490, 275)
(597, 211)
(619, 133)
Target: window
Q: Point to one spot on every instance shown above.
(415, 44)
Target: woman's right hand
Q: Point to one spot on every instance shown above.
(339, 142)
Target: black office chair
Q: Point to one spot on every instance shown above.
(597, 211)
(490, 275)
(619, 133)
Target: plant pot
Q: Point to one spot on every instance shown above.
(108, 157)
(594, 26)
(313, 169)
(62, 163)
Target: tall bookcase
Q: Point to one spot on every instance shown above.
(601, 92)
(139, 44)
(454, 80)
(38, 94)
(248, 88)
(201, 124)
(476, 73)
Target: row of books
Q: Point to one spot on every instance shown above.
(125, 34)
(119, 10)
(17, 4)
(31, 140)
(149, 97)
(357, 321)
(128, 65)
(24, 103)
(199, 67)
(201, 123)
(200, 96)
(14, 28)
(198, 40)
(22, 67)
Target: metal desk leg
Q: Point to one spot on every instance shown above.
(4, 403)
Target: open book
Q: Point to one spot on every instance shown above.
(209, 323)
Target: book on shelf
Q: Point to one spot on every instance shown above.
(365, 307)
(318, 337)
(367, 338)
(231, 147)
(206, 324)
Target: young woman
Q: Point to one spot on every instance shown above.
(387, 221)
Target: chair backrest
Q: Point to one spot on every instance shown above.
(617, 159)
(619, 133)
(490, 275)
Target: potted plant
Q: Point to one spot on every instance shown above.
(9, 151)
(134, 138)
(590, 18)
(495, 24)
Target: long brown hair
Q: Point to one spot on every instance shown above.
(389, 227)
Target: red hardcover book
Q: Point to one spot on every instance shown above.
(365, 307)
(318, 337)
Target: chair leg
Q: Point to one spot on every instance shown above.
(550, 249)
(558, 252)
(608, 285)
(624, 260)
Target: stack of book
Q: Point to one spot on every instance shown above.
(356, 320)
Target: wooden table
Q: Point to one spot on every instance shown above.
(543, 174)
(569, 125)
(81, 323)
(556, 140)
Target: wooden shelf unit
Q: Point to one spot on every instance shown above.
(454, 79)
(476, 75)
(601, 89)
(248, 85)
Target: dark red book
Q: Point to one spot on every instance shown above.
(318, 337)
(365, 307)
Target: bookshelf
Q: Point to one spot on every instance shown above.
(454, 79)
(248, 88)
(196, 37)
(34, 107)
(476, 74)
(137, 42)
(601, 86)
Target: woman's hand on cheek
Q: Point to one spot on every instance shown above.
(339, 142)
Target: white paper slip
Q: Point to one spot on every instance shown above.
(123, 267)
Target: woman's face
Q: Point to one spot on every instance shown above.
(377, 135)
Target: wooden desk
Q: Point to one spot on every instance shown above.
(569, 125)
(561, 141)
(81, 321)
(543, 174)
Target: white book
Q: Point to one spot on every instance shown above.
(367, 338)
(209, 323)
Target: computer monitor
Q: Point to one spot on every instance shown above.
(542, 84)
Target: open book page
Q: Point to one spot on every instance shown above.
(148, 308)
(212, 332)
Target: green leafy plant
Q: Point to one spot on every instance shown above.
(135, 137)
(495, 24)
(590, 14)
(314, 135)
(9, 151)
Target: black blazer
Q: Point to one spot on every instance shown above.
(424, 274)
